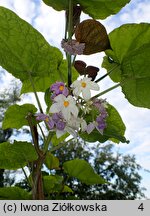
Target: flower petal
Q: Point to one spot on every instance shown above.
(86, 94)
(66, 113)
(93, 86)
(83, 125)
(60, 98)
(74, 110)
(71, 131)
(90, 128)
(55, 108)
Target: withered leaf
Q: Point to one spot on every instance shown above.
(94, 35)
(80, 66)
(91, 71)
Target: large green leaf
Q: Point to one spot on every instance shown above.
(23, 49)
(131, 51)
(51, 161)
(136, 77)
(114, 131)
(17, 155)
(14, 193)
(53, 183)
(42, 83)
(99, 9)
(113, 67)
(15, 116)
(83, 171)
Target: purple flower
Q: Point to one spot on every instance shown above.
(41, 117)
(59, 121)
(101, 126)
(101, 123)
(100, 104)
(60, 125)
(46, 118)
(73, 47)
(59, 88)
(55, 121)
(50, 123)
(56, 117)
(90, 127)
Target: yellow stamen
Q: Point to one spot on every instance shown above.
(83, 84)
(66, 103)
(47, 119)
(61, 88)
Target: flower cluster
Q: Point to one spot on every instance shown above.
(73, 47)
(70, 108)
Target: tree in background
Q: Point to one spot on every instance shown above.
(7, 98)
(122, 171)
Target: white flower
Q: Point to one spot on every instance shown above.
(84, 86)
(72, 127)
(65, 105)
(67, 129)
(77, 123)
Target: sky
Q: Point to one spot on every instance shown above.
(51, 24)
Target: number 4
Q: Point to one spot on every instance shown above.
(141, 207)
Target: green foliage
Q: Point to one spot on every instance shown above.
(82, 170)
(24, 50)
(42, 83)
(16, 155)
(15, 116)
(51, 161)
(131, 50)
(114, 131)
(14, 193)
(122, 171)
(99, 9)
(52, 183)
(56, 141)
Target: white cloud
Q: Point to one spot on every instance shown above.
(6, 3)
(137, 11)
(25, 9)
(51, 24)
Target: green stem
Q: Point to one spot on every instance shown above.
(109, 72)
(60, 145)
(35, 93)
(47, 142)
(26, 176)
(41, 131)
(70, 21)
(70, 26)
(106, 91)
(74, 58)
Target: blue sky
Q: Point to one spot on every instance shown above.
(51, 24)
